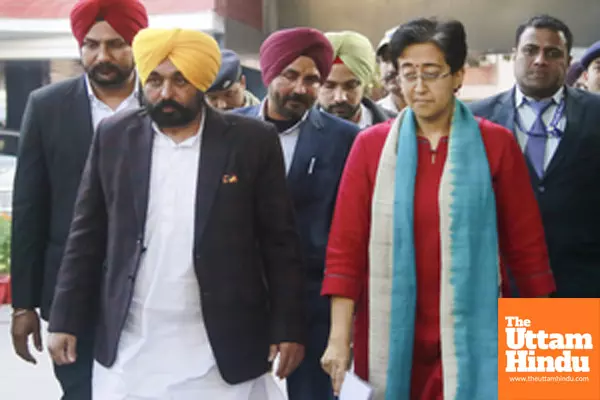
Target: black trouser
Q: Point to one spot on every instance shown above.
(76, 379)
(309, 381)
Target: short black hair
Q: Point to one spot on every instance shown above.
(383, 54)
(544, 21)
(449, 36)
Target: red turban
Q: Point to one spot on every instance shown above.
(281, 49)
(126, 17)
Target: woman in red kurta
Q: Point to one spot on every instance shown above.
(429, 90)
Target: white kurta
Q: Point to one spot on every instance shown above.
(164, 352)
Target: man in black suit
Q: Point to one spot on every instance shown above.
(184, 230)
(57, 130)
(559, 130)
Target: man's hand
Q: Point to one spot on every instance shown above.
(336, 361)
(26, 323)
(290, 356)
(62, 348)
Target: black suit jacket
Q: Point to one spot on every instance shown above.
(569, 192)
(247, 254)
(55, 137)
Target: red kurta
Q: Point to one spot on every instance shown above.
(521, 240)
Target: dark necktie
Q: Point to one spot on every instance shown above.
(537, 136)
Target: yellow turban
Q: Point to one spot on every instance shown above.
(195, 54)
(356, 52)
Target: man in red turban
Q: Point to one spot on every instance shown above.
(126, 17)
(294, 64)
(58, 125)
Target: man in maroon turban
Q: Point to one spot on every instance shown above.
(294, 63)
(58, 125)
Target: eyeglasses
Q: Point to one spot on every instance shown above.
(426, 77)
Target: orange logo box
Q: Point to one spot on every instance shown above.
(549, 349)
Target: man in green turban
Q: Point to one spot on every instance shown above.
(344, 92)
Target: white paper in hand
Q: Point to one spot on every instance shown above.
(354, 388)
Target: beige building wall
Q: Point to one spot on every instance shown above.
(64, 69)
(490, 24)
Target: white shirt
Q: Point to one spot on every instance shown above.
(288, 139)
(388, 103)
(528, 116)
(164, 341)
(366, 117)
(100, 110)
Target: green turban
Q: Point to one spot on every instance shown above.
(356, 52)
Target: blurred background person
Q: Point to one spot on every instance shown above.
(229, 91)
(393, 101)
(575, 77)
(590, 61)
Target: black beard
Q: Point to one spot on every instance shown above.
(180, 116)
(120, 75)
(280, 104)
(343, 110)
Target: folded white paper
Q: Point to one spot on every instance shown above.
(355, 388)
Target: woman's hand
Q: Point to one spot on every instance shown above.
(336, 361)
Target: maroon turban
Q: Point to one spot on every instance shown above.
(281, 49)
(126, 17)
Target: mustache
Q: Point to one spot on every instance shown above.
(160, 106)
(344, 106)
(104, 68)
(300, 98)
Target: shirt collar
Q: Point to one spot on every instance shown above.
(92, 95)
(366, 117)
(521, 99)
(261, 115)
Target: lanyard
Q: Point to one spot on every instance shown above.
(552, 129)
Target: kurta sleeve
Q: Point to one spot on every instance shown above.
(521, 233)
(348, 246)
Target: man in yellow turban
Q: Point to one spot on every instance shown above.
(344, 92)
(183, 255)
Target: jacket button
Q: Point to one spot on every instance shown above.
(541, 189)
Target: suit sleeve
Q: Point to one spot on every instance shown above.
(80, 275)
(280, 245)
(30, 213)
(520, 230)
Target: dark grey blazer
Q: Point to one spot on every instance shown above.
(569, 192)
(55, 137)
(247, 253)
